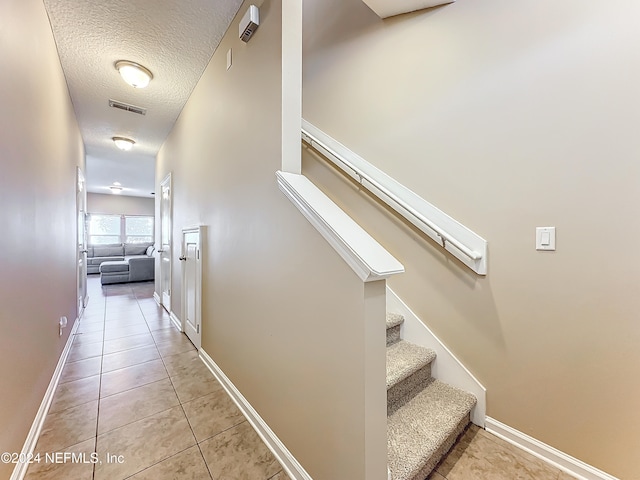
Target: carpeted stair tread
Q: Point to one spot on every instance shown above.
(404, 359)
(421, 432)
(394, 319)
(393, 328)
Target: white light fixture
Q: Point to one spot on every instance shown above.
(116, 189)
(123, 143)
(134, 74)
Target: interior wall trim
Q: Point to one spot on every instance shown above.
(289, 463)
(20, 470)
(547, 453)
(156, 297)
(176, 321)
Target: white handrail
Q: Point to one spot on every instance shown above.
(368, 259)
(403, 200)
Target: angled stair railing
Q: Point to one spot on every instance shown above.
(464, 244)
(368, 259)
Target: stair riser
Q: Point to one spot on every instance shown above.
(393, 335)
(443, 450)
(408, 388)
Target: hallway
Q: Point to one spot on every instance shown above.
(135, 397)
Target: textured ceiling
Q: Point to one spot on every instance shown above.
(173, 39)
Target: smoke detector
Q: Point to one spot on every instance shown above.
(249, 23)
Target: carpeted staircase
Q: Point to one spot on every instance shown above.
(424, 416)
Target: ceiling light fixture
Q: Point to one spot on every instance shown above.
(134, 74)
(123, 143)
(115, 189)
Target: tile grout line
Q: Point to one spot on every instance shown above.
(95, 441)
(159, 461)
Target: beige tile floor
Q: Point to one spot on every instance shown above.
(479, 455)
(135, 394)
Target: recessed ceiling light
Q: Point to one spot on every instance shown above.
(134, 74)
(123, 143)
(117, 184)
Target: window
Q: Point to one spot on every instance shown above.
(138, 229)
(106, 229)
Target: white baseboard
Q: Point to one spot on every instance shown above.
(176, 321)
(547, 453)
(446, 366)
(20, 469)
(282, 454)
(156, 297)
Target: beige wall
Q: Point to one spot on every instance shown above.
(119, 204)
(283, 315)
(40, 147)
(508, 116)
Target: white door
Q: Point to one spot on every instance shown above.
(165, 242)
(191, 260)
(81, 228)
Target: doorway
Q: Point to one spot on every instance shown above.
(165, 242)
(191, 260)
(81, 229)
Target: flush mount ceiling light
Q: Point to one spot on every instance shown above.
(123, 143)
(116, 189)
(134, 74)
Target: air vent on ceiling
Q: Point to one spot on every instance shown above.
(127, 107)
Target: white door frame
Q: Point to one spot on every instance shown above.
(81, 240)
(166, 243)
(192, 258)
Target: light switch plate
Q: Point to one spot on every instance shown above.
(545, 238)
